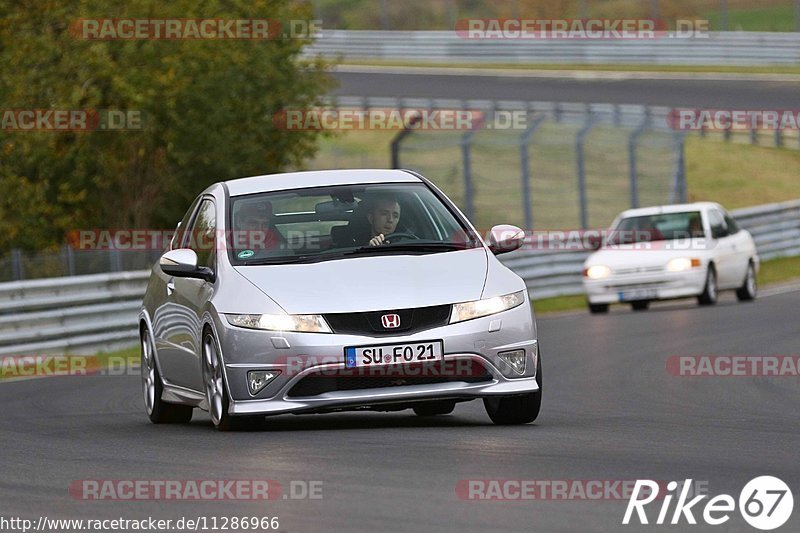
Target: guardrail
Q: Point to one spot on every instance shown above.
(77, 314)
(83, 314)
(716, 48)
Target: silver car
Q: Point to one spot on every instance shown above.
(325, 291)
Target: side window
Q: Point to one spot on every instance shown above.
(732, 226)
(202, 235)
(178, 239)
(717, 224)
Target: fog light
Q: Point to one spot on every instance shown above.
(258, 379)
(515, 359)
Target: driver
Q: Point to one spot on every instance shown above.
(383, 219)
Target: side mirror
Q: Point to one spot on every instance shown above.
(505, 238)
(182, 263)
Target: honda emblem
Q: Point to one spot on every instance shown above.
(390, 321)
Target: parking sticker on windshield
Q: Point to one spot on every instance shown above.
(245, 254)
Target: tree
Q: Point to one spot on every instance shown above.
(206, 108)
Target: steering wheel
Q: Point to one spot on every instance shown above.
(400, 234)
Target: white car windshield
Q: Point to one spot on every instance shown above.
(322, 223)
(658, 227)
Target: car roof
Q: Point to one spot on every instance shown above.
(671, 208)
(316, 178)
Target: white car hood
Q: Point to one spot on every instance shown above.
(638, 256)
(373, 283)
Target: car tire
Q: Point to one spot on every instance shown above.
(597, 309)
(217, 391)
(519, 409)
(444, 407)
(640, 305)
(749, 289)
(710, 292)
(159, 411)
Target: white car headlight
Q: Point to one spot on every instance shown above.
(679, 264)
(489, 306)
(597, 272)
(302, 323)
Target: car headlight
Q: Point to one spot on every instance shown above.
(302, 323)
(489, 306)
(597, 272)
(679, 264)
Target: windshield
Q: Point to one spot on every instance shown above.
(659, 227)
(323, 223)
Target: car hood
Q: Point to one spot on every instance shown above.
(633, 256)
(372, 283)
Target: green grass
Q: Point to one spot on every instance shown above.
(773, 18)
(740, 175)
(633, 67)
(779, 270)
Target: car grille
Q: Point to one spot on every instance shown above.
(638, 270)
(377, 378)
(369, 323)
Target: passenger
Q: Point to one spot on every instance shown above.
(255, 230)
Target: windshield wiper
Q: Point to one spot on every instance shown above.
(285, 260)
(407, 247)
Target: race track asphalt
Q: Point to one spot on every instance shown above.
(611, 411)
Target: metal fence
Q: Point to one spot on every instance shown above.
(83, 314)
(715, 48)
(78, 314)
(17, 265)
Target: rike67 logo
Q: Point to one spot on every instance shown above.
(765, 503)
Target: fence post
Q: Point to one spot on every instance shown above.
(679, 193)
(17, 268)
(632, 155)
(778, 137)
(579, 140)
(68, 259)
(524, 139)
(723, 15)
(115, 259)
(466, 160)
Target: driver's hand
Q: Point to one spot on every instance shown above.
(377, 240)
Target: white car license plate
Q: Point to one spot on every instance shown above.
(392, 354)
(637, 294)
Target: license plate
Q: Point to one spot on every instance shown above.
(637, 294)
(392, 354)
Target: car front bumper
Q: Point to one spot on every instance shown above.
(467, 346)
(662, 285)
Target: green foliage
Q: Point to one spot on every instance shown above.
(207, 108)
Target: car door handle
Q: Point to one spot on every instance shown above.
(170, 287)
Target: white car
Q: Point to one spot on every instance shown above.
(671, 251)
